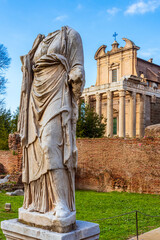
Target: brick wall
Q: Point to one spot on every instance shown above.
(11, 161)
(14, 142)
(108, 164)
(118, 164)
(8, 162)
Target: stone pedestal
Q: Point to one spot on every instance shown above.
(14, 230)
(48, 221)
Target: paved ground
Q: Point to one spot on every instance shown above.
(152, 235)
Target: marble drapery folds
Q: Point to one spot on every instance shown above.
(53, 80)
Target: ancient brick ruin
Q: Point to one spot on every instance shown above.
(11, 161)
(106, 164)
(116, 164)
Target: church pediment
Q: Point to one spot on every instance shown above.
(129, 44)
(100, 52)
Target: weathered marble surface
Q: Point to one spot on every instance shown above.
(18, 192)
(15, 230)
(48, 220)
(5, 179)
(153, 131)
(53, 80)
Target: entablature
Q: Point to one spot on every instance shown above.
(130, 83)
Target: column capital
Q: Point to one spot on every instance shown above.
(98, 96)
(153, 99)
(143, 96)
(109, 94)
(122, 93)
(86, 96)
(86, 99)
(133, 94)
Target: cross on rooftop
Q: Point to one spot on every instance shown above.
(115, 35)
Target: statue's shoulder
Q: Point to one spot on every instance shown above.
(38, 39)
(73, 34)
(71, 31)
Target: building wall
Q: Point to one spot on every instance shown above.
(148, 111)
(155, 111)
(119, 165)
(142, 65)
(123, 60)
(135, 76)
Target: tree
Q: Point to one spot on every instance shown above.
(4, 64)
(8, 124)
(89, 123)
(5, 116)
(14, 121)
(5, 127)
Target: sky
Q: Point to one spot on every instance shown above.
(96, 21)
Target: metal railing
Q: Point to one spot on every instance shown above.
(139, 229)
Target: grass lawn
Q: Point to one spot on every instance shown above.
(91, 206)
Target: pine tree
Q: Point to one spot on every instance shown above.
(89, 123)
(5, 128)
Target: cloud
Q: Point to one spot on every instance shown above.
(61, 18)
(142, 7)
(79, 6)
(113, 11)
(150, 52)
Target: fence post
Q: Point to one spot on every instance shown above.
(137, 224)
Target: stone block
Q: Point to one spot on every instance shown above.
(14, 230)
(8, 207)
(153, 131)
(48, 220)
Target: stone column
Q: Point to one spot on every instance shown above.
(122, 113)
(109, 114)
(142, 115)
(98, 104)
(86, 99)
(132, 132)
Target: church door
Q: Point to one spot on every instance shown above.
(114, 126)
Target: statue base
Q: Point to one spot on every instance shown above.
(14, 230)
(48, 221)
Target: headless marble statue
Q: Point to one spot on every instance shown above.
(53, 80)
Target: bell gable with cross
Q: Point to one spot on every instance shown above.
(115, 44)
(115, 35)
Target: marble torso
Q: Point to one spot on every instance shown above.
(47, 46)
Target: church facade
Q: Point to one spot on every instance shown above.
(127, 90)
